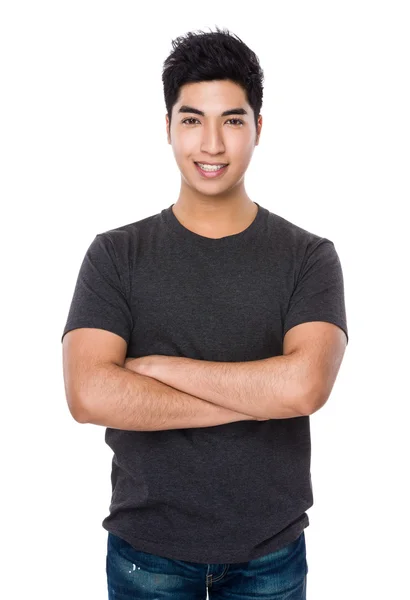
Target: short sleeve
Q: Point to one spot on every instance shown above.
(99, 299)
(319, 292)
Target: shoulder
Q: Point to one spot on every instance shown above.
(293, 233)
(126, 240)
(122, 232)
(294, 242)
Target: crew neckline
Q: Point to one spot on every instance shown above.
(237, 238)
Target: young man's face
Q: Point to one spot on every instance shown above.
(212, 138)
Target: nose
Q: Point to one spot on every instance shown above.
(212, 139)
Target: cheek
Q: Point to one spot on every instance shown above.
(185, 148)
(240, 159)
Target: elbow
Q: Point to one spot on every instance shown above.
(80, 417)
(312, 401)
(77, 410)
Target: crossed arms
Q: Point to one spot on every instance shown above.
(294, 384)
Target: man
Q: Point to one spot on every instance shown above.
(203, 337)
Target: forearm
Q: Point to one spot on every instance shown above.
(119, 398)
(272, 388)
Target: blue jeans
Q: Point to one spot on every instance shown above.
(134, 574)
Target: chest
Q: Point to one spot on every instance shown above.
(215, 307)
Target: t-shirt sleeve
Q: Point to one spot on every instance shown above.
(319, 292)
(99, 299)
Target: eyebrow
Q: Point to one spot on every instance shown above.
(231, 111)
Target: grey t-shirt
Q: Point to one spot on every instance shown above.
(228, 493)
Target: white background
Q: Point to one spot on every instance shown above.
(84, 150)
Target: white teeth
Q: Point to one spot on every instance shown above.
(210, 167)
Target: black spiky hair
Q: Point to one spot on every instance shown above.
(217, 55)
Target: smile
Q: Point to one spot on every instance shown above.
(211, 172)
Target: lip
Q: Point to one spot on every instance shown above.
(211, 174)
(204, 162)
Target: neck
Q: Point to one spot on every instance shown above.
(219, 210)
(215, 217)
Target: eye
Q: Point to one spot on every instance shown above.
(190, 119)
(239, 121)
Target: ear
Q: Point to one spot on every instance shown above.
(167, 128)
(258, 130)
